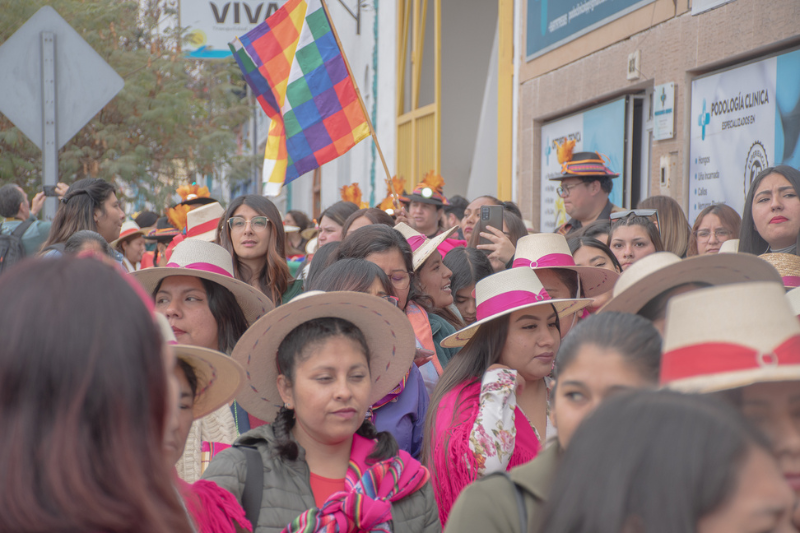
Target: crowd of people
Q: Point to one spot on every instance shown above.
(222, 369)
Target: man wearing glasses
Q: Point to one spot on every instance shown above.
(585, 186)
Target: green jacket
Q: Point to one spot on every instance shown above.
(295, 287)
(490, 505)
(34, 236)
(287, 488)
(441, 328)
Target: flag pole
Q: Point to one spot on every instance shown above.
(363, 107)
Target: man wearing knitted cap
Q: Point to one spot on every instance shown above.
(425, 205)
(585, 186)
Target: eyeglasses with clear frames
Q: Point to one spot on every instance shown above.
(256, 223)
(720, 233)
(394, 300)
(564, 190)
(400, 279)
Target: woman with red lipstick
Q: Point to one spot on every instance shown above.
(771, 218)
(489, 411)
(327, 358)
(206, 307)
(742, 340)
(252, 232)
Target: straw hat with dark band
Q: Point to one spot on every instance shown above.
(658, 272)
(506, 292)
(787, 265)
(219, 378)
(388, 333)
(210, 261)
(728, 337)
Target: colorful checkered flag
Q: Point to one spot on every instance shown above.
(294, 65)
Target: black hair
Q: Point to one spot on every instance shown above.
(79, 238)
(191, 375)
(468, 266)
(657, 460)
(632, 336)
(322, 259)
(656, 308)
(515, 225)
(457, 205)
(76, 209)
(373, 214)
(301, 220)
(231, 322)
(11, 197)
(146, 219)
(750, 241)
(646, 223)
(577, 243)
(605, 182)
(351, 274)
(293, 349)
(593, 230)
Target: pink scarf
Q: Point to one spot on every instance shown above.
(365, 504)
(454, 463)
(213, 509)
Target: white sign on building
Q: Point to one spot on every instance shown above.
(664, 112)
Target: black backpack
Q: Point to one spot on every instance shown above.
(11, 248)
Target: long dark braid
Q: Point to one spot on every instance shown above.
(291, 350)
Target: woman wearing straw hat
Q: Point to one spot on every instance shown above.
(771, 217)
(402, 411)
(207, 381)
(208, 308)
(252, 232)
(588, 251)
(548, 255)
(131, 245)
(605, 355)
(387, 248)
(326, 359)
(744, 339)
(489, 410)
(647, 287)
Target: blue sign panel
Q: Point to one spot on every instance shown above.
(552, 23)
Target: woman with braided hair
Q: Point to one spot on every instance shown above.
(327, 358)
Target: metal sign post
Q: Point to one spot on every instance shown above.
(49, 141)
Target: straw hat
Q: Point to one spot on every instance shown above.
(210, 261)
(129, 230)
(219, 378)
(727, 337)
(388, 332)
(658, 272)
(550, 250)
(787, 265)
(312, 246)
(794, 300)
(422, 246)
(731, 246)
(508, 291)
(202, 223)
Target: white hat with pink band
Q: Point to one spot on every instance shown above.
(506, 292)
(731, 336)
(202, 223)
(550, 250)
(209, 261)
(421, 245)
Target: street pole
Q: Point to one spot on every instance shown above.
(49, 141)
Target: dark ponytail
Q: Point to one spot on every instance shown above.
(293, 349)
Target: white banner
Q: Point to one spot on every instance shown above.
(215, 23)
(732, 134)
(700, 6)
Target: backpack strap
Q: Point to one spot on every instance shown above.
(518, 496)
(253, 484)
(20, 230)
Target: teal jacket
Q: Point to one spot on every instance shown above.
(34, 236)
(441, 328)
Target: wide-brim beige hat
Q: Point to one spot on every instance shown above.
(309, 233)
(202, 223)
(207, 260)
(658, 272)
(129, 230)
(793, 296)
(387, 330)
(787, 265)
(506, 292)
(219, 378)
(551, 250)
(728, 337)
(422, 246)
(731, 246)
(312, 246)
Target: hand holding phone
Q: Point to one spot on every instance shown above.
(491, 215)
(50, 190)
